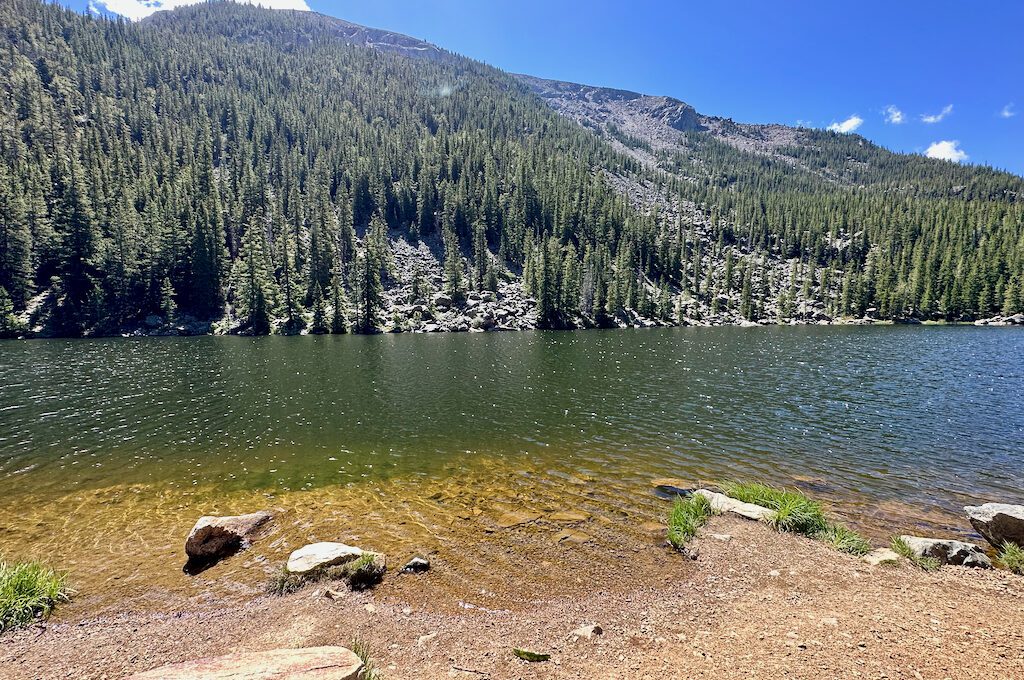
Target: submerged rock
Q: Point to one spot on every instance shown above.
(213, 538)
(999, 523)
(310, 558)
(312, 663)
(722, 503)
(948, 551)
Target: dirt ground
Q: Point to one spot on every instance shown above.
(759, 605)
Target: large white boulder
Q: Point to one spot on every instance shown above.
(999, 523)
(310, 558)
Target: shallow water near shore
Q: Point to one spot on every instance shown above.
(110, 449)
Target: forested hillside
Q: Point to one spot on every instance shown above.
(274, 171)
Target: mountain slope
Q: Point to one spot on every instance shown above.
(286, 171)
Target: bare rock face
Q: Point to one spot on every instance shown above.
(948, 551)
(312, 663)
(999, 523)
(722, 503)
(315, 556)
(213, 538)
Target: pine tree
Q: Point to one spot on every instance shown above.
(168, 308)
(454, 284)
(319, 325)
(339, 307)
(15, 243)
(254, 281)
(77, 307)
(368, 292)
(10, 326)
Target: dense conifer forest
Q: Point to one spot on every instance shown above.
(251, 167)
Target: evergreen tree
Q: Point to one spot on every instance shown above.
(319, 325)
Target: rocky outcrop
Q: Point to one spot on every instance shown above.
(948, 551)
(999, 523)
(317, 556)
(311, 663)
(213, 538)
(721, 503)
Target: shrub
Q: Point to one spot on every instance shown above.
(29, 590)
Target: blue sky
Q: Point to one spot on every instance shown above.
(952, 71)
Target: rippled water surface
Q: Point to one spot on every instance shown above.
(902, 412)
(879, 421)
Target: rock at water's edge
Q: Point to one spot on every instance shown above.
(948, 551)
(881, 556)
(311, 663)
(316, 556)
(722, 503)
(999, 523)
(216, 537)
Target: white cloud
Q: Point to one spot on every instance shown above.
(948, 150)
(1008, 111)
(140, 9)
(800, 122)
(935, 118)
(893, 115)
(848, 125)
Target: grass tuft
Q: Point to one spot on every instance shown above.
(361, 649)
(284, 583)
(29, 590)
(1011, 556)
(844, 539)
(794, 512)
(364, 572)
(900, 547)
(688, 515)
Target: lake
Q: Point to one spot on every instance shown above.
(119, 445)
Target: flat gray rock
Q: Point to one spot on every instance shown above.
(315, 556)
(311, 663)
(948, 551)
(722, 503)
(999, 523)
(215, 537)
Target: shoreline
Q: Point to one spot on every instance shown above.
(756, 604)
(181, 332)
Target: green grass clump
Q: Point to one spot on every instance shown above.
(361, 649)
(364, 572)
(28, 590)
(900, 547)
(1011, 556)
(794, 512)
(844, 539)
(284, 583)
(688, 515)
